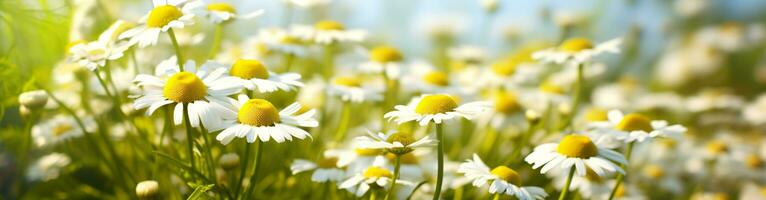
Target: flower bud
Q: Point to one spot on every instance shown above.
(24, 111)
(148, 189)
(33, 99)
(532, 116)
(229, 161)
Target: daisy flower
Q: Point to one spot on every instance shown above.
(353, 89)
(325, 170)
(95, 54)
(329, 32)
(59, 128)
(48, 167)
(576, 151)
(501, 179)
(576, 51)
(436, 108)
(374, 177)
(395, 142)
(424, 77)
(254, 76)
(259, 119)
(384, 59)
(636, 127)
(221, 12)
(282, 41)
(166, 15)
(204, 90)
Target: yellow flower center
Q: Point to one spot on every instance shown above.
(549, 87)
(327, 162)
(576, 45)
(290, 40)
(504, 67)
(221, 7)
(596, 115)
(329, 25)
(162, 15)
(61, 129)
(368, 152)
(437, 78)
(348, 81)
(654, 171)
(635, 122)
(184, 87)
(753, 161)
(407, 158)
(385, 54)
(405, 139)
(376, 172)
(717, 147)
(258, 112)
(507, 174)
(506, 102)
(577, 146)
(248, 69)
(436, 103)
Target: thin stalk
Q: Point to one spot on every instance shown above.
(209, 154)
(566, 185)
(497, 196)
(524, 140)
(289, 58)
(392, 190)
(177, 48)
(620, 177)
(242, 170)
(189, 136)
(256, 167)
(216, 40)
(440, 161)
(577, 97)
(372, 195)
(103, 84)
(345, 117)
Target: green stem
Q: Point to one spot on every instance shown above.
(392, 190)
(177, 48)
(577, 97)
(566, 185)
(620, 177)
(189, 136)
(345, 117)
(440, 161)
(209, 154)
(372, 195)
(289, 58)
(242, 170)
(256, 167)
(103, 85)
(497, 196)
(216, 41)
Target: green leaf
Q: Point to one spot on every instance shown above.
(199, 192)
(181, 165)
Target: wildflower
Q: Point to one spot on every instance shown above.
(221, 12)
(326, 169)
(576, 51)
(374, 177)
(436, 108)
(576, 151)
(259, 119)
(394, 142)
(164, 17)
(384, 59)
(254, 76)
(354, 89)
(329, 32)
(502, 180)
(48, 167)
(636, 127)
(58, 129)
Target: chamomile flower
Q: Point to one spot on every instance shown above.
(95, 54)
(254, 76)
(58, 129)
(328, 32)
(354, 89)
(394, 142)
(436, 108)
(576, 151)
(755, 112)
(355, 159)
(577, 50)
(166, 15)
(374, 177)
(259, 119)
(204, 90)
(325, 169)
(501, 180)
(384, 59)
(281, 41)
(636, 127)
(48, 167)
(507, 108)
(221, 12)
(424, 77)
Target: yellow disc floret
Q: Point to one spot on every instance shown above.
(258, 112)
(61, 129)
(327, 162)
(507, 174)
(596, 115)
(436, 78)
(221, 7)
(635, 122)
(377, 172)
(436, 103)
(404, 138)
(504, 67)
(576, 45)
(654, 171)
(329, 25)
(385, 54)
(348, 81)
(753, 161)
(184, 87)
(577, 146)
(248, 69)
(162, 15)
(368, 152)
(507, 103)
(717, 147)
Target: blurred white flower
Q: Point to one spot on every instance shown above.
(328, 32)
(502, 180)
(220, 12)
(48, 167)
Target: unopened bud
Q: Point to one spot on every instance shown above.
(148, 189)
(532, 116)
(229, 161)
(33, 99)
